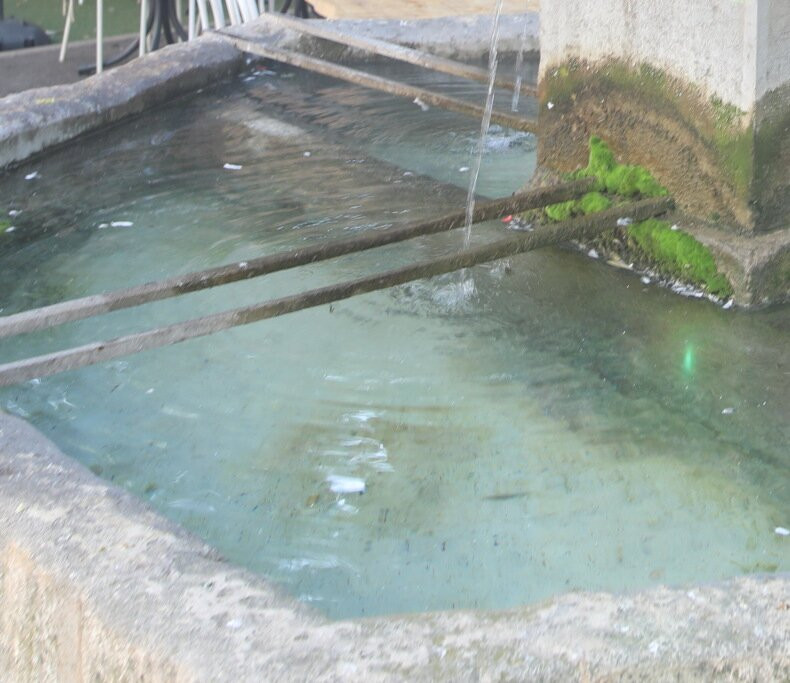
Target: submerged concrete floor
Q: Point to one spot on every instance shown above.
(96, 586)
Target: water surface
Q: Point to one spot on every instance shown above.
(544, 424)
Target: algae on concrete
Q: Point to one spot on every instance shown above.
(666, 248)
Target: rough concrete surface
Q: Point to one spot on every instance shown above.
(94, 586)
(416, 9)
(737, 51)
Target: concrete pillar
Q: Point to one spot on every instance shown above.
(696, 90)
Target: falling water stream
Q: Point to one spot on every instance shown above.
(485, 123)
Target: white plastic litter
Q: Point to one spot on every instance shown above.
(340, 484)
(675, 227)
(728, 305)
(232, 167)
(14, 212)
(592, 253)
(307, 154)
(624, 222)
(463, 169)
(31, 176)
(550, 105)
(421, 104)
(728, 411)
(781, 531)
(10, 228)
(121, 224)
(645, 280)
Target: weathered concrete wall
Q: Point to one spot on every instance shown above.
(94, 586)
(736, 50)
(697, 90)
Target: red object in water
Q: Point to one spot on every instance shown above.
(507, 219)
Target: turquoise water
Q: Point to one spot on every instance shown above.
(536, 426)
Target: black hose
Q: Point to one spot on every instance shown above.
(90, 69)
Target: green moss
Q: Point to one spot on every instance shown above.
(621, 179)
(593, 202)
(678, 254)
(562, 211)
(4, 225)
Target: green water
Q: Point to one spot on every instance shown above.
(540, 425)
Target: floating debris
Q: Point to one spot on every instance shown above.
(340, 484)
(781, 531)
(728, 305)
(421, 104)
(645, 280)
(14, 212)
(463, 169)
(32, 176)
(728, 411)
(10, 228)
(307, 154)
(232, 167)
(121, 224)
(592, 253)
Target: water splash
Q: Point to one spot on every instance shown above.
(493, 61)
(520, 64)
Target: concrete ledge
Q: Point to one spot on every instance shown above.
(95, 586)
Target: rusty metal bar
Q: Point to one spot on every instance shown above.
(77, 309)
(325, 31)
(367, 80)
(97, 352)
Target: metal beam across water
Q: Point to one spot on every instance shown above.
(77, 309)
(97, 352)
(387, 85)
(325, 31)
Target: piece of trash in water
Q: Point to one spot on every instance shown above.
(463, 169)
(121, 224)
(102, 226)
(519, 224)
(31, 176)
(645, 280)
(592, 253)
(550, 105)
(10, 228)
(781, 531)
(14, 212)
(340, 484)
(408, 173)
(728, 411)
(675, 227)
(624, 222)
(421, 104)
(232, 167)
(243, 264)
(729, 304)
(507, 219)
(307, 154)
